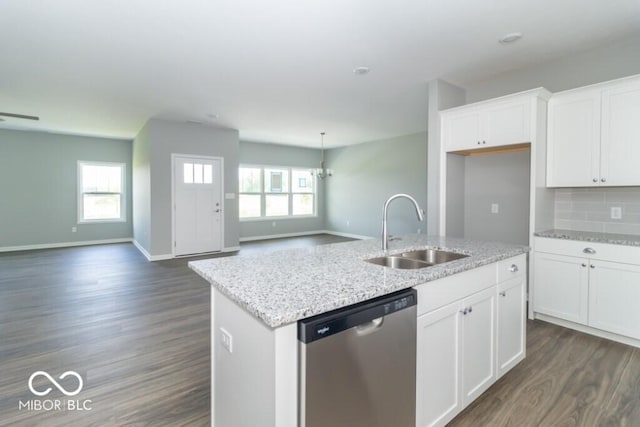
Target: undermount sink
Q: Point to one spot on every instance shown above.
(416, 259)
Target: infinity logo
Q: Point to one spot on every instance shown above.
(58, 386)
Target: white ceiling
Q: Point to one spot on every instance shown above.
(278, 70)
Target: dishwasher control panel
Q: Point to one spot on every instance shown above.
(333, 322)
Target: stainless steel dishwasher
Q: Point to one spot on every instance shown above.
(358, 364)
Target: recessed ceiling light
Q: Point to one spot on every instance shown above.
(510, 38)
(212, 116)
(361, 71)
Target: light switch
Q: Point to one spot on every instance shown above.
(494, 208)
(226, 339)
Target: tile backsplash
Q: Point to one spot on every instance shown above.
(589, 209)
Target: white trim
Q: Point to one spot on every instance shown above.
(80, 193)
(174, 156)
(350, 235)
(588, 330)
(148, 256)
(64, 244)
(231, 249)
(304, 233)
(281, 236)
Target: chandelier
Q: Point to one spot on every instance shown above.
(322, 172)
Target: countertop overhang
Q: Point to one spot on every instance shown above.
(285, 286)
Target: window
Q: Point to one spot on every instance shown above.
(275, 192)
(101, 192)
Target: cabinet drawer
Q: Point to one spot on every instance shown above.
(432, 295)
(512, 267)
(591, 250)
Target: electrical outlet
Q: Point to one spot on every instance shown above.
(226, 339)
(495, 208)
(616, 212)
(273, 224)
(74, 229)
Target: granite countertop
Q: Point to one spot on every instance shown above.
(285, 286)
(589, 236)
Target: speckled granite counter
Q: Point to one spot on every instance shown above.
(587, 236)
(285, 286)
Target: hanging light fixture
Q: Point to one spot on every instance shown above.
(322, 172)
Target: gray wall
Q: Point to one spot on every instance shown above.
(615, 60)
(501, 178)
(365, 175)
(164, 138)
(38, 172)
(441, 95)
(142, 187)
(282, 155)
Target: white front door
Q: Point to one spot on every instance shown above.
(198, 206)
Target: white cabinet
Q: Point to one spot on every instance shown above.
(589, 284)
(593, 135)
(456, 354)
(478, 344)
(438, 369)
(614, 293)
(493, 123)
(561, 286)
(471, 329)
(511, 314)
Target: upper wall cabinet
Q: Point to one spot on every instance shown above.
(594, 135)
(498, 122)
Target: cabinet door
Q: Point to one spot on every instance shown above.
(573, 139)
(511, 324)
(506, 123)
(461, 130)
(561, 286)
(614, 292)
(620, 145)
(438, 366)
(478, 344)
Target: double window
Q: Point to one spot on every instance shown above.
(270, 192)
(101, 192)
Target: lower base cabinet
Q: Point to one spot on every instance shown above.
(511, 324)
(464, 346)
(592, 287)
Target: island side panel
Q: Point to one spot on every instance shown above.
(255, 384)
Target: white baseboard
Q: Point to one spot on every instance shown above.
(304, 233)
(588, 330)
(280, 236)
(148, 256)
(231, 249)
(64, 244)
(352, 236)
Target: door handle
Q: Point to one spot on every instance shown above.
(217, 210)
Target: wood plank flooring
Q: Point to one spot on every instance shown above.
(138, 333)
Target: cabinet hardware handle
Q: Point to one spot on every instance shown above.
(503, 293)
(478, 142)
(513, 268)
(592, 266)
(484, 142)
(470, 309)
(589, 251)
(595, 179)
(584, 265)
(604, 180)
(464, 312)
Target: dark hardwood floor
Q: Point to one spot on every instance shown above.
(138, 333)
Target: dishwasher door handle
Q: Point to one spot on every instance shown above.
(369, 327)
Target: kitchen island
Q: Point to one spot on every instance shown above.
(257, 300)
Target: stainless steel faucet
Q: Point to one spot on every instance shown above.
(385, 235)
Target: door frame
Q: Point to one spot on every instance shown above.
(173, 199)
